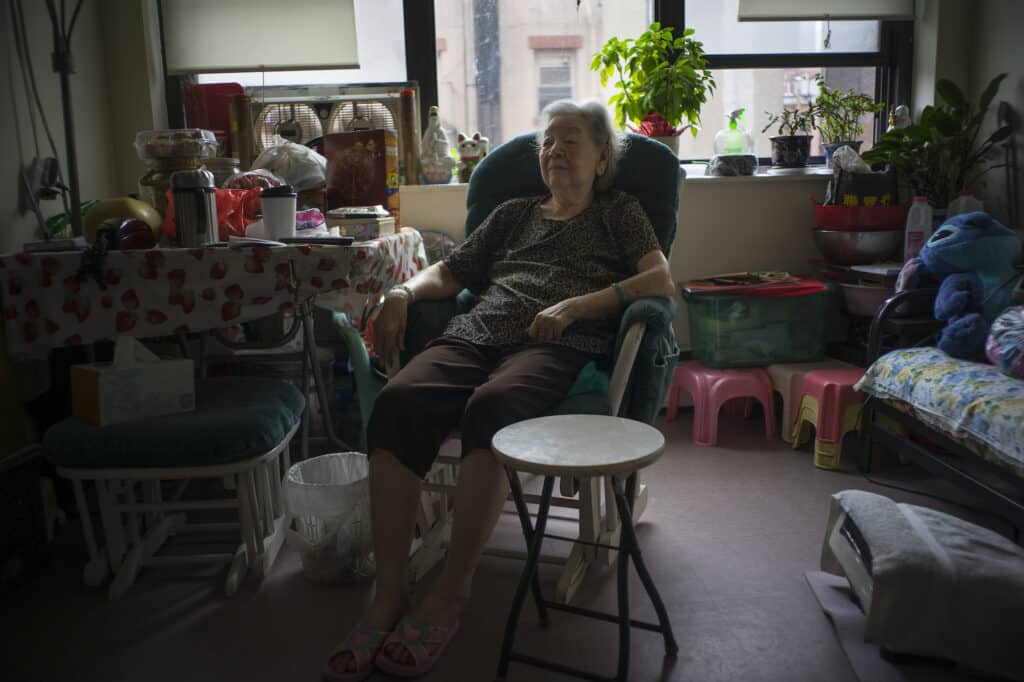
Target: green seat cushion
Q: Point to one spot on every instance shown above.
(236, 418)
(590, 402)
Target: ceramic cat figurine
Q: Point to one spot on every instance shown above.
(436, 162)
(471, 150)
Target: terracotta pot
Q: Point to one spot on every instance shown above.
(671, 141)
(790, 151)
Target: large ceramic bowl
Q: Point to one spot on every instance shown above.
(858, 247)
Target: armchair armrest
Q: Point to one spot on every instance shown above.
(428, 319)
(914, 298)
(645, 358)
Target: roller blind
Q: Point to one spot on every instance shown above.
(816, 10)
(258, 35)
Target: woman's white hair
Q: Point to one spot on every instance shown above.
(601, 131)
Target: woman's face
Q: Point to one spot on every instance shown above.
(569, 159)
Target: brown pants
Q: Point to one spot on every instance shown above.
(479, 389)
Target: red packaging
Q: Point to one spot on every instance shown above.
(362, 169)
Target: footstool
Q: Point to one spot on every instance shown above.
(580, 446)
(711, 388)
(829, 401)
(787, 380)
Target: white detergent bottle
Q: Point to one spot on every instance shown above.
(919, 227)
(965, 203)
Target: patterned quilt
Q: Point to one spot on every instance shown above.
(974, 403)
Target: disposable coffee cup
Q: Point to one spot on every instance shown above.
(278, 204)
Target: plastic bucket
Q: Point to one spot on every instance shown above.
(328, 503)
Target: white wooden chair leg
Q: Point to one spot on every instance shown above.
(274, 476)
(151, 495)
(246, 517)
(96, 568)
(263, 499)
(113, 531)
(581, 556)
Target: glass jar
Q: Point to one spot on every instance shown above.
(223, 168)
(156, 183)
(168, 151)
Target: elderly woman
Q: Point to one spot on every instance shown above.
(553, 274)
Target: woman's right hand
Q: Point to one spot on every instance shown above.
(389, 327)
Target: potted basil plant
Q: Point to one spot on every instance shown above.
(792, 146)
(661, 82)
(840, 116)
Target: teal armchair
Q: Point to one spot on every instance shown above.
(632, 382)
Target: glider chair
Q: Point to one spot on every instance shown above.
(631, 383)
(141, 472)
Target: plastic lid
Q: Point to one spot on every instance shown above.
(279, 191)
(920, 198)
(175, 143)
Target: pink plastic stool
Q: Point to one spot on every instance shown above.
(829, 401)
(711, 388)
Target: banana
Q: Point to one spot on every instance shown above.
(121, 207)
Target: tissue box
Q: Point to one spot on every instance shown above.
(363, 229)
(134, 386)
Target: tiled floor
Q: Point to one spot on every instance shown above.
(728, 534)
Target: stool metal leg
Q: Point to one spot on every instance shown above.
(625, 552)
(530, 572)
(524, 521)
(624, 502)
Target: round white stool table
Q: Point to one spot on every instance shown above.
(580, 446)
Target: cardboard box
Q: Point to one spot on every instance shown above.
(362, 169)
(136, 385)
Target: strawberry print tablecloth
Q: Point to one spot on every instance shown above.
(164, 291)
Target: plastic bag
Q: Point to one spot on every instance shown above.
(236, 208)
(298, 165)
(327, 499)
(260, 178)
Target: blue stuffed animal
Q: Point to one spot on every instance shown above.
(975, 259)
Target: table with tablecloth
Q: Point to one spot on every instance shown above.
(49, 300)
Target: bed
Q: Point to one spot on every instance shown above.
(963, 421)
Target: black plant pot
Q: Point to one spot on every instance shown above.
(790, 151)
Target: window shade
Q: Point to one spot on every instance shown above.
(258, 35)
(817, 10)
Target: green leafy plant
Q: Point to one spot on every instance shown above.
(661, 80)
(839, 112)
(942, 154)
(796, 120)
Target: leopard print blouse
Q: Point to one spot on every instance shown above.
(520, 263)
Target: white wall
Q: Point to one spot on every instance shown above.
(996, 48)
(724, 225)
(92, 115)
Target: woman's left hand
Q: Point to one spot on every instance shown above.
(551, 322)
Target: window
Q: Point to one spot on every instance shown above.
(554, 76)
(765, 66)
(496, 54)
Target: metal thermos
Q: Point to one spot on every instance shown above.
(195, 207)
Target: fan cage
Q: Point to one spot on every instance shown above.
(272, 118)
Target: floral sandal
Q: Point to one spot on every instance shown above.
(424, 644)
(363, 644)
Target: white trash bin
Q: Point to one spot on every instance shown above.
(328, 503)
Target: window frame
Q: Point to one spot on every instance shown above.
(893, 61)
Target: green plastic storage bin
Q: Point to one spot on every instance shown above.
(730, 330)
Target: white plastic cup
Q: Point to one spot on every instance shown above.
(278, 205)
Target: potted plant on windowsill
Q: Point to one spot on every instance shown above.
(839, 117)
(943, 154)
(661, 81)
(792, 146)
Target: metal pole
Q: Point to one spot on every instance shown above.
(65, 70)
